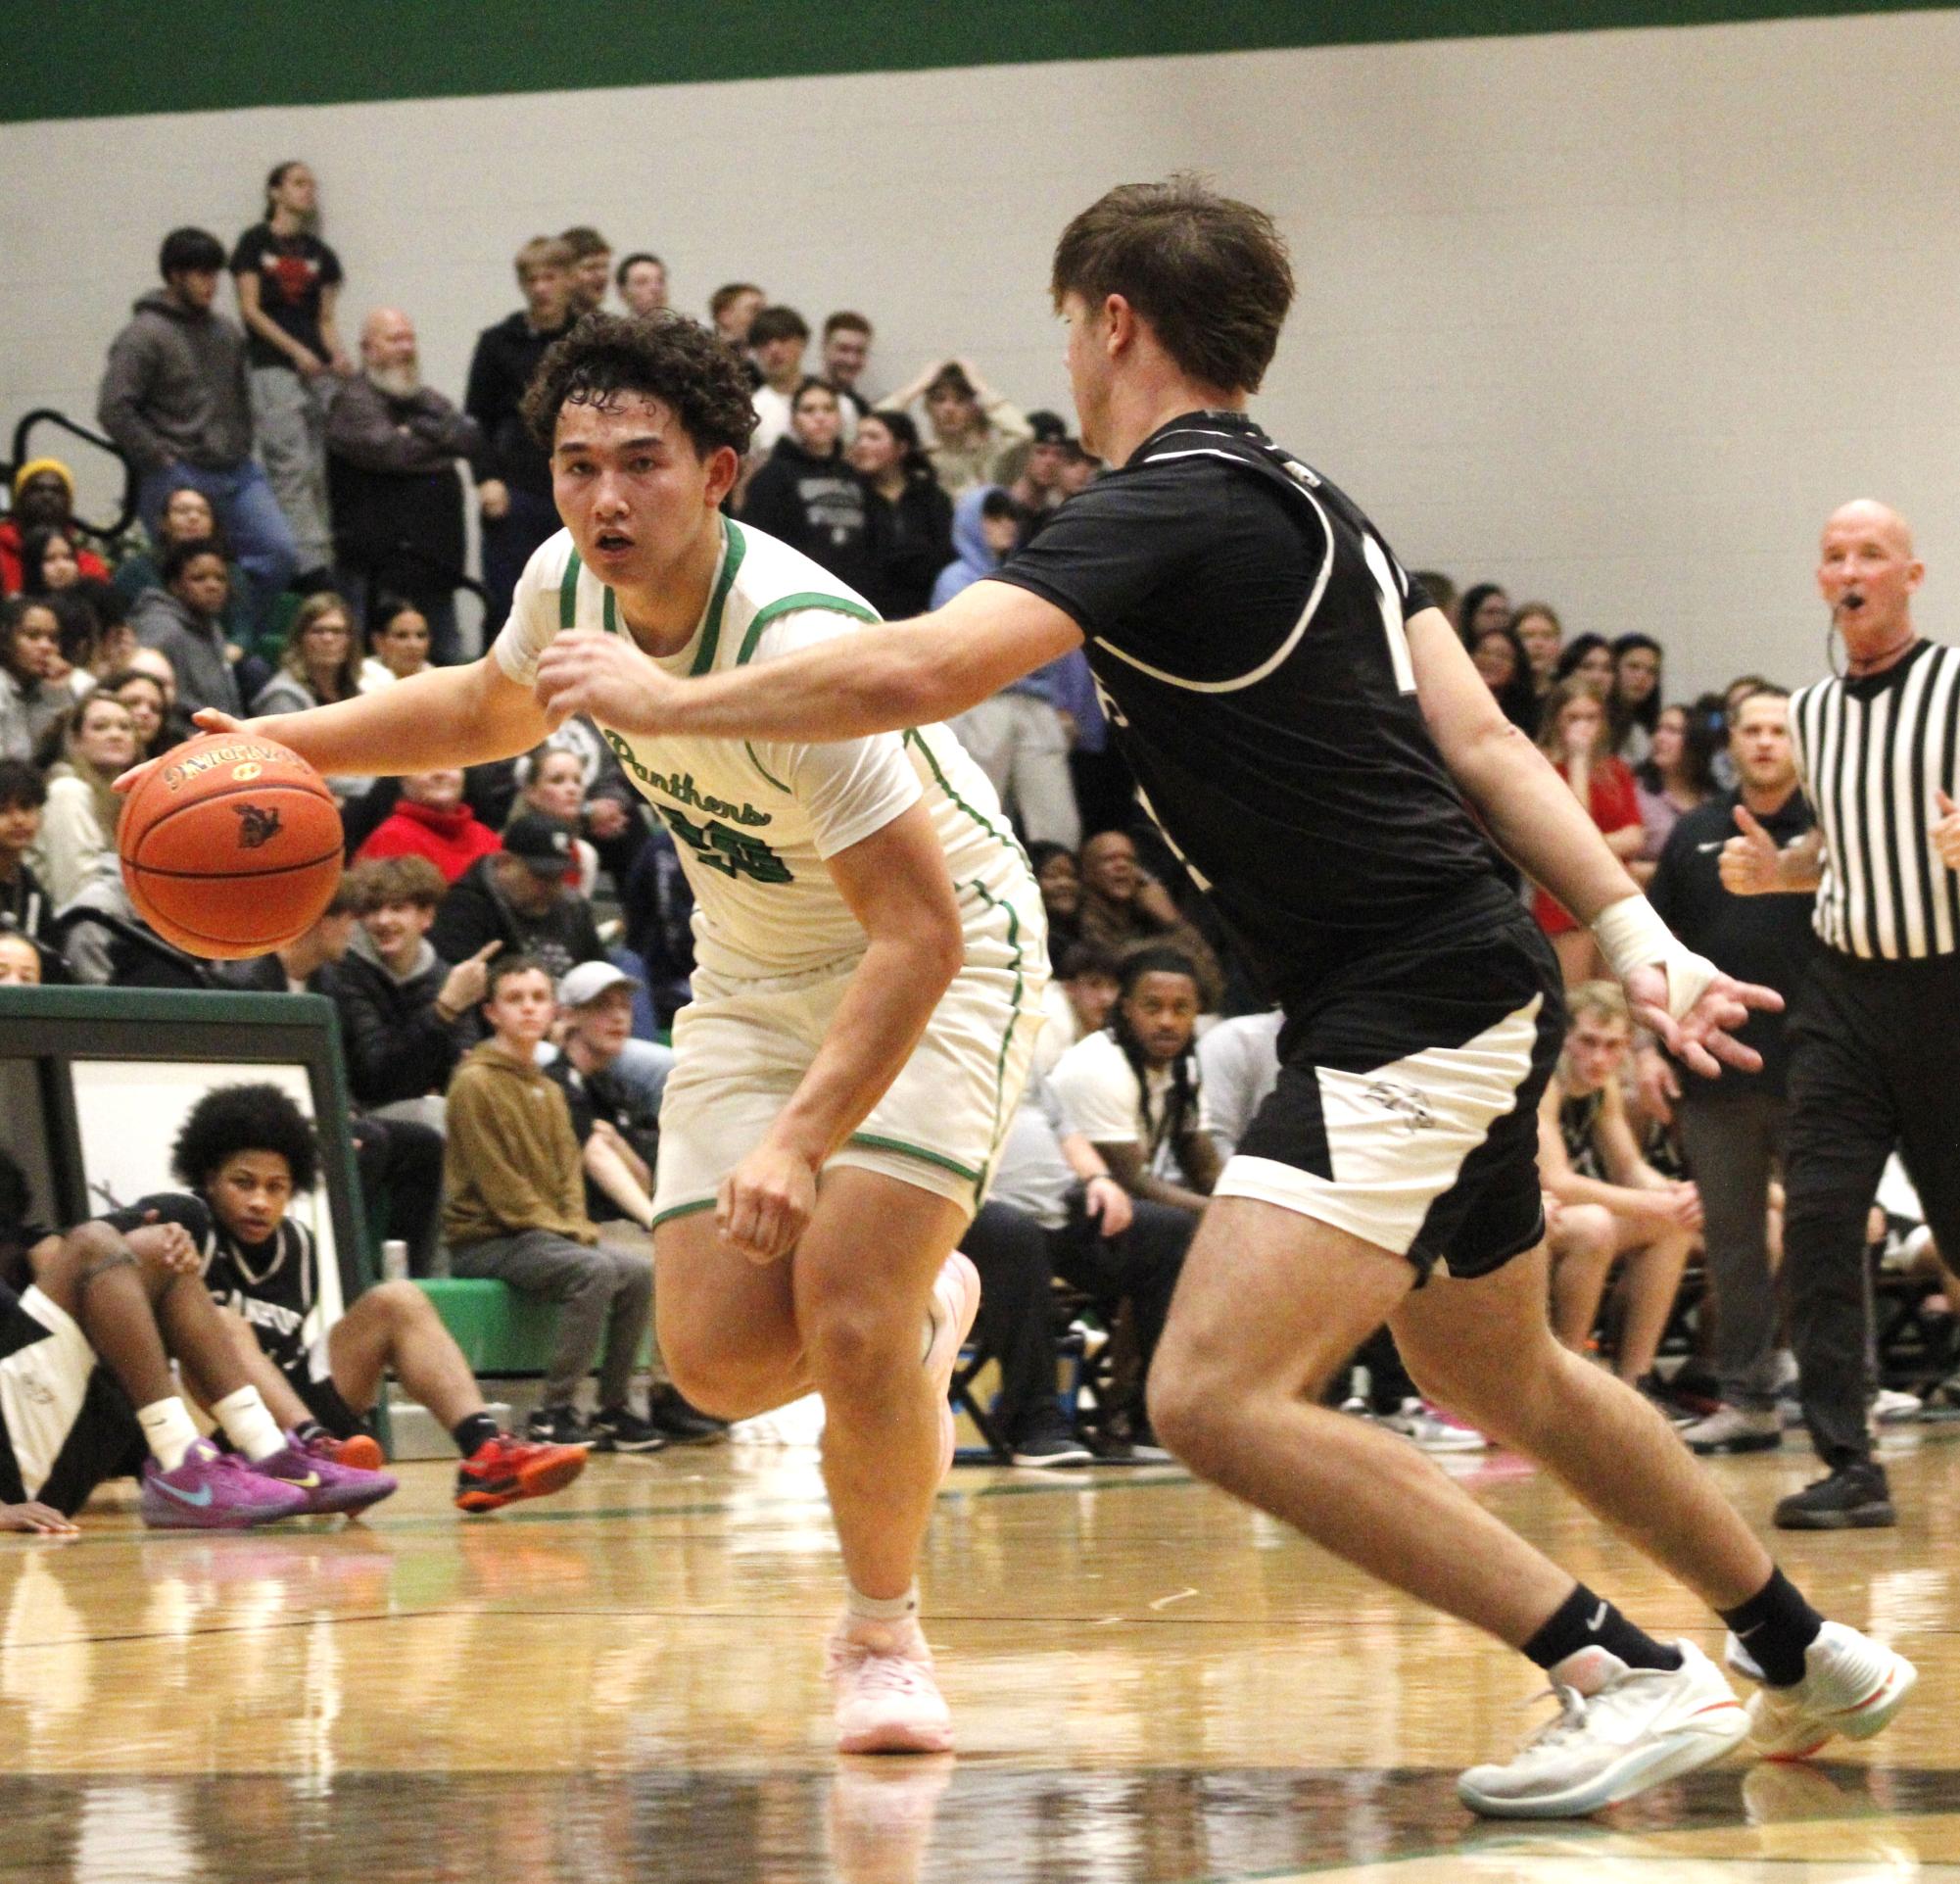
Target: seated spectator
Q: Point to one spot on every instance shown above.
(1441, 588)
(1483, 604)
(97, 745)
(25, 909)
(431, 820)
(1499, 658)
(77, 634)
(777, 337)
(397, 641)
(1076, 1001)
(114, 639)
(614, 821)
(1588, 659)
(405, 1013)
(89, 1326)
(1612, 1204)
(1542, 635)
(551, 782)
(618, 1140)
(1055, 1209)
(50, 559)
(1134, 1088)
(1573, 737)
(318, 664)
(591, 268)
(658, 905)
(104, 943)
(1676, 775)
(846, 354)
(1124, 905)
(514, 1208)
(641, 281)
(986, 531)
(911, 517)
(969, 424)
(396, 449)
(519, 897)
(148, 702)
(20, 964)
(186, 517)
(1031, 471)
(184, 620)
(29, 650)
(1633, 701)
(175, 400)
(244, 1153)
(732, 312)
(1079, 469)
(1060, 879)
(1239, 1065)
(807, 494)
(43, 500)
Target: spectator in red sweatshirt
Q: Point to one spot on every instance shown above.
(43, 500)
(431, 820)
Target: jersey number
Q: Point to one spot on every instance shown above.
(719, 846)
(1388, 591)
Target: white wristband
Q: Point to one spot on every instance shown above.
(1631, 935)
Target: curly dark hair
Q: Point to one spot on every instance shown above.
(667, 356)
(230, 1118)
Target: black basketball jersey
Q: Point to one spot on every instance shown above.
(1245, 624)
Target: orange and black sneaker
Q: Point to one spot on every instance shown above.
(503, 1470)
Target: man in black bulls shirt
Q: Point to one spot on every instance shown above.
(1313, 741)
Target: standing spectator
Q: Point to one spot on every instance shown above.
(642, 283)
(1542, 635)
(732, 309)
(43, 500)
(175, 401)
(431, 821)
(911, 517)
(971, 424)
(846, 353)
(29, 650)
(1592, 1168)
(591, 268)
(25, 909)
(514, 1208)
(288, 281)
(1019, 738)
(187, 517)
(1875, 1056)
(394, 447)
(1733, 1129)
(1573, 737)
(398, 642)
(1032, 471)
(1633, 706)
(1676, 775)
(1499, 658)
(1123, 905)
(514, 475)
(808, 492)
(79, 829)
(778, 338)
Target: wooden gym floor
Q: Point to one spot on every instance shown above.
(622, 1684)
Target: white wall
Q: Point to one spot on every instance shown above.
(1613, 319)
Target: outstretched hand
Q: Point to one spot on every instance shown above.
(207, 719)
(588, 671)
(1702, 1040)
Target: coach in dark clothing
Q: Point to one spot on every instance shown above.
(1732, 1129)
(519, 897)
(1875, 1053)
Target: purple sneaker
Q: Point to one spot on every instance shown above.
(329, 1486)
(214, 1490)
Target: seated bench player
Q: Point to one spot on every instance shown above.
(243, 1154)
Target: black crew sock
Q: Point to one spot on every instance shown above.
(1585, 1621)
(1775, 1626)
(472, 1432)
(308, 1430)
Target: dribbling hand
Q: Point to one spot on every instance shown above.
(588, 671)
(765, 1203)
(207, 719)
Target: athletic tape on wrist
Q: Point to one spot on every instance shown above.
(1631, 935)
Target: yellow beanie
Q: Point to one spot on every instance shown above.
(34, 466)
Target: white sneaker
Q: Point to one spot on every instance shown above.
(887, 1698)
(1434, 1429)
(956, 1300)
(1619, 1731)
(1852, 1685)
(1892, 1409)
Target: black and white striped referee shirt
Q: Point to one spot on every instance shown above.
(1871, 753)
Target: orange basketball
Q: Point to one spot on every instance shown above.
(231, 847)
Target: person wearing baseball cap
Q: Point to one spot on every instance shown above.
(519, 897)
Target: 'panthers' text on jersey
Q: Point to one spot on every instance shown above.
(752, 821)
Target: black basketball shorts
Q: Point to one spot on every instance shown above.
(64, 1425)
(1406, 1111)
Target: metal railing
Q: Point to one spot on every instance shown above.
(18, 455)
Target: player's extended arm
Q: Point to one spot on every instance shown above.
(896, 884)
(1534, 817)
(440, 718)
(879, 680)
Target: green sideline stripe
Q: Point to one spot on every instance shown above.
(115, 58)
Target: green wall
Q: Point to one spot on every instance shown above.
(111, 58)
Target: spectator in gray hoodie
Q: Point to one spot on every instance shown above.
(174, 398)
(184, 621)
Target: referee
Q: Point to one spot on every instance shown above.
(1875, 1034)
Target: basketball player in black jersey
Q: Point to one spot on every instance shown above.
(1313, 741)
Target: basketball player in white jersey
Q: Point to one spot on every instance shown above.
(871, 956)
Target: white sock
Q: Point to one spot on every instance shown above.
(168, 1431)
(247, 1425)
(881, 1609)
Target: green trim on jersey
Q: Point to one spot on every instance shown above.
(609, 613)
(568, 593)
(790, 605)
(912, 738)
(764, 770)
(918, 1151)
(737, 548)
(680, 1210)
(1007, 1038)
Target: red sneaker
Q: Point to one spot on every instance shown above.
(503, 1470)
(361, 1453)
